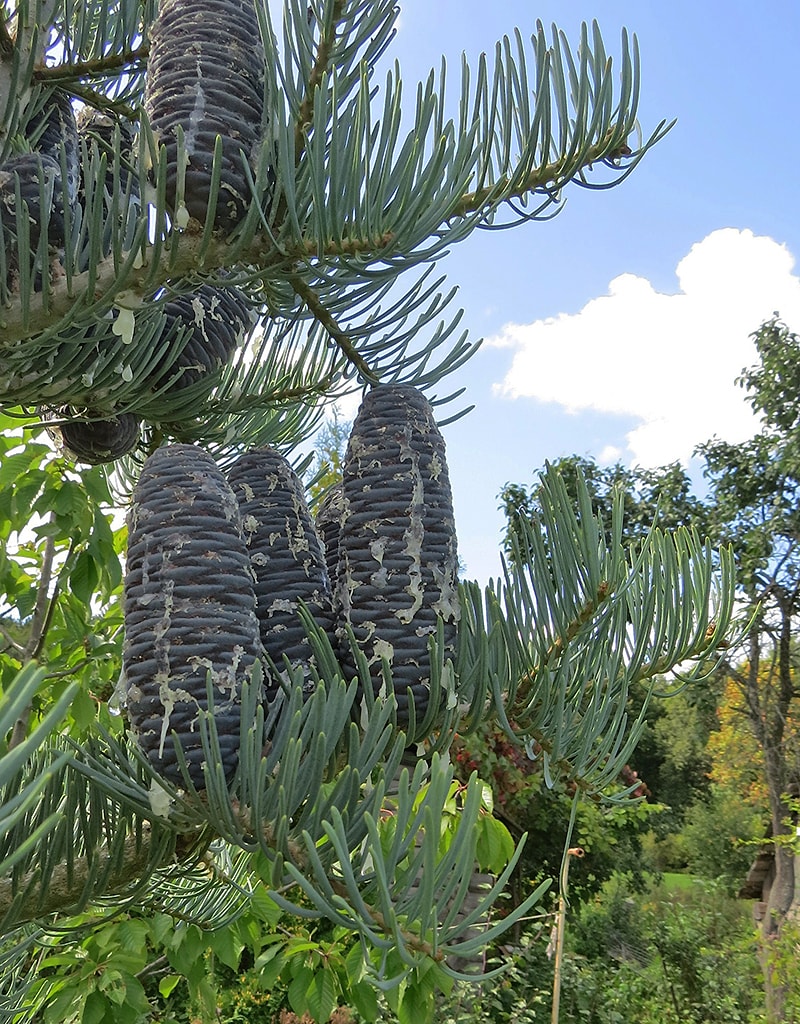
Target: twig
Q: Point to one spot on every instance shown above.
(11, 643)
(96, 68)
(323, 316)
(565, 767)
(66, 882)
(40, 624)
(412, 940)
(547, 178)
(321, 63)
(558, 646)
(71, 74)
(287, 394)
(39, 617)
(100, 101)
(154, 967)
(67, 672)
(306, 111)
(28, 898)
(351, 246)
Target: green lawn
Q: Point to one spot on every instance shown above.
(672, 880)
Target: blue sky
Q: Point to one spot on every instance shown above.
(617, 329)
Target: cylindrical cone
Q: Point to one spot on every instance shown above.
(286, 555)
(189, 609)
(398, 560)
(206, 75)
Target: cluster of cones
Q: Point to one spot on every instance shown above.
(219, 564)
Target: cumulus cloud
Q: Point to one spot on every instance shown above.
(670, 360)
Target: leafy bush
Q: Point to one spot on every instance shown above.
(685, 956)
(610, 834)
(720, 836)
(521, 995)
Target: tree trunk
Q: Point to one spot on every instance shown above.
(779, 901)
(768, 687)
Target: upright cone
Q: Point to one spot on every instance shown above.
(286, 556)
(398, 560)
(189, 610)
(205, 76)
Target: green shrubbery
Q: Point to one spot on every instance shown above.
(667, 956)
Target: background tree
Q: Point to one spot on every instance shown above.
(161, 282)
(722, 832)
(756, 486)
(751, 505)
(330, 444)
(662, 496)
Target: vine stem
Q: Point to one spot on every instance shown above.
(40, 624)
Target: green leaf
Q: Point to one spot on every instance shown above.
(66, 1005)
(495, 846)
(354, 964)
(416, 1005)
(83, 710)
(365, 1000)
(227, 946)
(69, 499)
(186, 950)
(95, 1009)
(24, 496)
(265, 907)
(96, 485)
(160, 926)
(137, 1005)
(25, 601)
(12, 467)
(300, 945)
(6, 501)
(102, 549)
(167, 985)
(112, 983)
(269, 966)
(206, 995)
(132, 934)
(321, 996)
(299, 989)
(84, 578)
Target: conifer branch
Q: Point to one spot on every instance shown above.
(323, 316)
(322, 62)
(66, 886)
(98, 67)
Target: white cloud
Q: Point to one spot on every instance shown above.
(609, 455)
(670, 360)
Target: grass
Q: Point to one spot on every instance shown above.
(675, 880)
